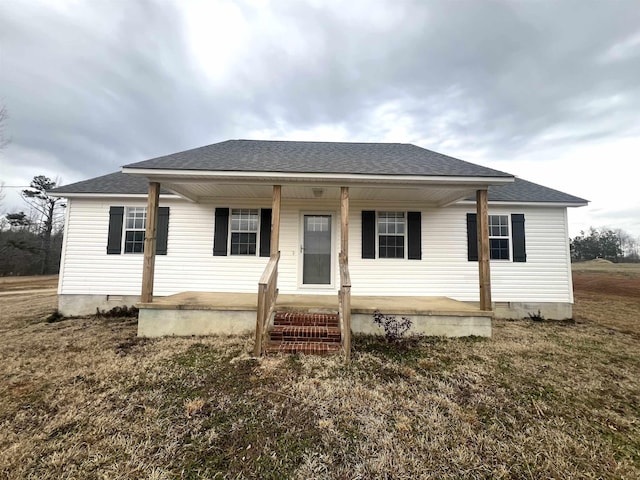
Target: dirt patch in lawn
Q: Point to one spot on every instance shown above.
(608, 294)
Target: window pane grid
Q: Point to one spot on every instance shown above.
(391, 246)
(317, 224)
(244, 231)
(499, 237)
(499, 248)
(243, 243)
(134, 241)
(391, 229)
(135, 225)
(244, 220)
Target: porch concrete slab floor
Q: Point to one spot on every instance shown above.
(204, 301)
(405, 305)
(415, 306)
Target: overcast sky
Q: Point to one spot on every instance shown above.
(548, 91)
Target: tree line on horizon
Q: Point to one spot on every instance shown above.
(615, 245)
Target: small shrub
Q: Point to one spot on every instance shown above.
(56, 316)
(117, 312)
(536, 317)
(394, 329)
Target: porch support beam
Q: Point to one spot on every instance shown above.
(344, 222)
(482, 210)
(275, 220)
(149, 263)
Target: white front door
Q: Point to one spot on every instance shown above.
(316, 249)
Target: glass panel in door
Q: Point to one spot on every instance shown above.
(316, 260)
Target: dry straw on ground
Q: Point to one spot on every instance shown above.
(84, 398)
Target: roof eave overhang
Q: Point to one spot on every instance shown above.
(106, 195)
(527, 204)
(192, 176)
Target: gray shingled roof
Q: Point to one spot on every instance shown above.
(116, 182)
(319, 157)
(523, 191)
(519, 191)
(112, 183)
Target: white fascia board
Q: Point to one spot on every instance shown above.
(109, 195)
(264, 177)
(527, 204)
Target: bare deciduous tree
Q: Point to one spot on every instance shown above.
(48, 208)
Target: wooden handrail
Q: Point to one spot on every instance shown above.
(269, 270)
(267, 294)
(344, 302)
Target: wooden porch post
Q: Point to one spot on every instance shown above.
(344, 222)
(268, 284)
(275, 220)
(483, 250)
(149, 263)
(344, 296)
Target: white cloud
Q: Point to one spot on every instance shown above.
(217, 33)
(628, 47)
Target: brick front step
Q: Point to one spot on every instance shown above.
(317, 348)
(300, 319)
(301, 332)
(313, 333)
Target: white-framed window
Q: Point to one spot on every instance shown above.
(391, 234)
(244, 231)
(134, 228)
(499, 239)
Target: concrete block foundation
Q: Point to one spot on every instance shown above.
(74, 305)
(164, 322)
(549, 310)
(430, 325)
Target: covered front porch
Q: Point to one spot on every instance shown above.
(190, 313)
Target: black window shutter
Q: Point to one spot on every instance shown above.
(114, 238)
(414, 235)
(265, 232)
(368, 234)
(221, 232)
(472, 237)
(162, 232)
(517, 234)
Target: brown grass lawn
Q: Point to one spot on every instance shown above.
(84, 398)
(28, 283)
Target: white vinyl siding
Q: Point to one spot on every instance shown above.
(445, 270)
(190, 265)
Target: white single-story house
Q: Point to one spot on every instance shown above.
(216, 238)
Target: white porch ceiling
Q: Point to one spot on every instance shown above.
(207, 191)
